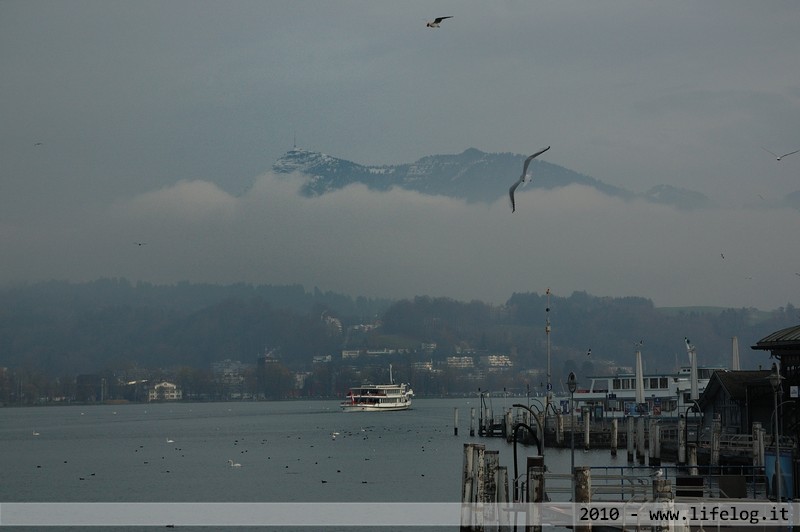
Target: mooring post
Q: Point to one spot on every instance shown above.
(682, 440)
(716, 438)
(654, 442)
(472, 421)
(640, 440)
(479, 459)
(629, 439)
(692, 458)
(587, 426)
(534, 492)
(492, 460)
(614, 434)
(468, 487)
(455, 421)
(662, 489)
(758, 445)
(583, 491)
(559, 430)
(502, 498)
(657, 445)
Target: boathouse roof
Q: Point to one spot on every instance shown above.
(785, 339)
(736, 383)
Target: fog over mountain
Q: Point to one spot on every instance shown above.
(472, 175)
(152, 141)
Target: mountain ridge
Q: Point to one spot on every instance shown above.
(462, 175)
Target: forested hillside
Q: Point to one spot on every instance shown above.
(64, 329)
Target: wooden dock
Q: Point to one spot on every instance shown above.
(491, 494)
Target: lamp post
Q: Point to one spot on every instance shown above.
(571, 386)
(775, 381)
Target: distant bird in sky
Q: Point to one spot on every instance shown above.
(38, 144)
(589, 353)
(722, 255)
(779, 157)
(435, 22)
(140, 243)
(522, 177)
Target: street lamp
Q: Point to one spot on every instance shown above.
(571, 386)
(775, 381)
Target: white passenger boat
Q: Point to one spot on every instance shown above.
(664, 395)
(378, 397)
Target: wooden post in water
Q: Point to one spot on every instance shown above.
(583, 491)
(534, 492)
(559, 429)
(758, 445)
(681, 440)
(502, 497)
(614, 435)
(640, 439)
(657, 451)
(508, 424)
(691, 459)
(654, 439)
(473, 486)
(716, 437)
(455, 421)
(586, 427)
(662, 489)
(468, 487)
(472, 421)
(490, 478)
(629, 439)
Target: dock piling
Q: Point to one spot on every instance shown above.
(472, 421)
(455, 421)
(629, 439)
(586, 428)
(583, 491)
(614, 434)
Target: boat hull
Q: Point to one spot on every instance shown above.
(347, 407)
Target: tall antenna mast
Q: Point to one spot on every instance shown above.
(547, 334)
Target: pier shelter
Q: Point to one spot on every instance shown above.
(784, 345)
(739, 398)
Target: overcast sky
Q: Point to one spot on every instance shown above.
(158, 121)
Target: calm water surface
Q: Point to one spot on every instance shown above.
(121, 453)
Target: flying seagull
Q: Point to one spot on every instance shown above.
(435, 22)
(779, 157)
(140, 243)
(522, 177)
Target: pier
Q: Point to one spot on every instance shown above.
(647, 439)
(493, 497)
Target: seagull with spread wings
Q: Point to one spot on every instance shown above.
(435, 22)
(779, 157)
(522, 177)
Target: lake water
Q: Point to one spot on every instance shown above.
(121, 453)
